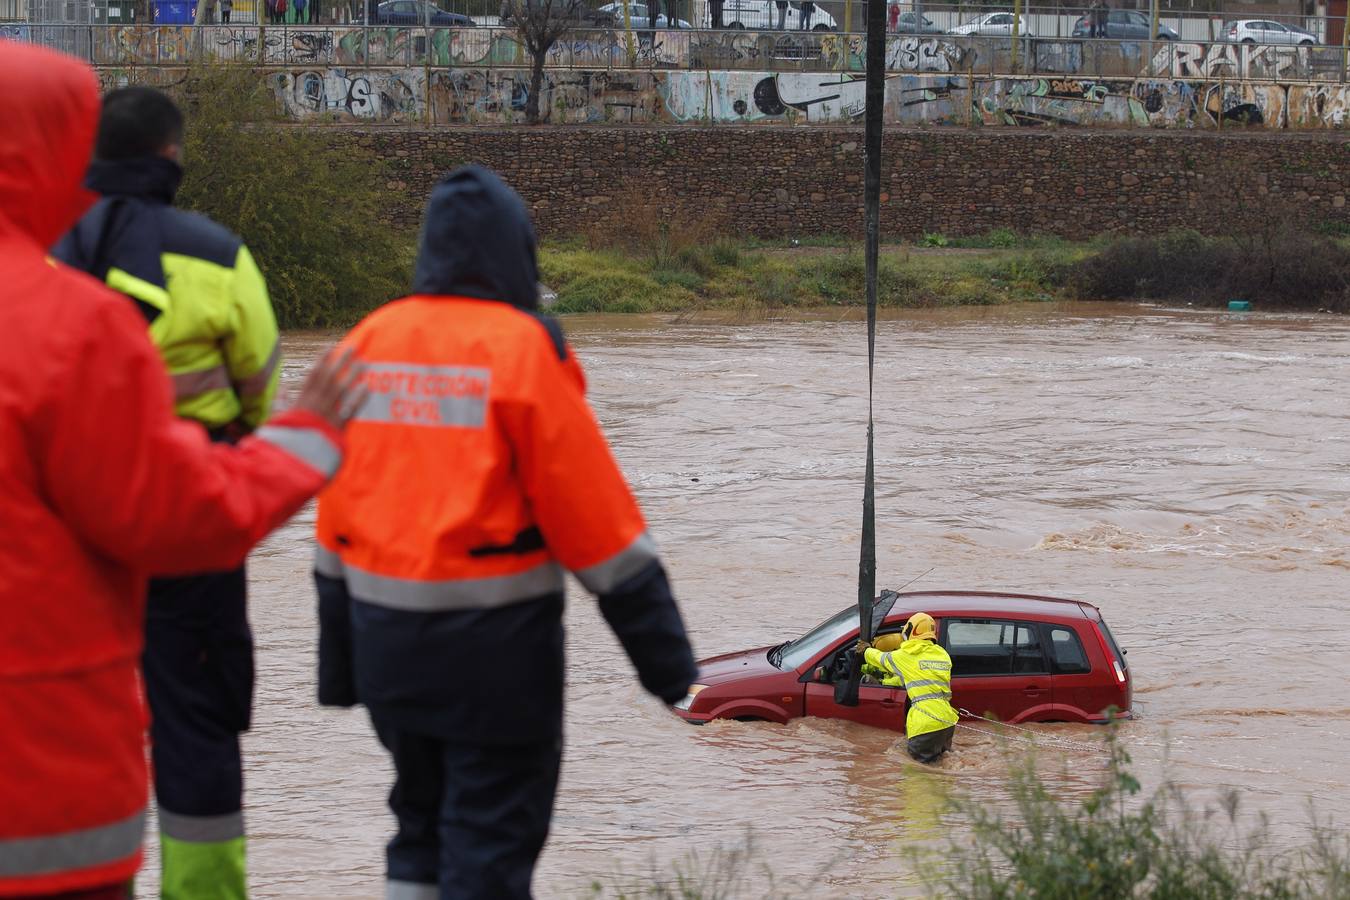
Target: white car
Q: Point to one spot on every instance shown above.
(996, 24)
(1264, 31)
(762, 15)
(637, 15)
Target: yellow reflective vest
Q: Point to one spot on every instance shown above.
(925, 671)
(194, 281)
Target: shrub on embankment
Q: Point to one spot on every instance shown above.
(1282, 266)
(309, 212)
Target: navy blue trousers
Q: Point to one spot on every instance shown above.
(471, 819)
(199, 682)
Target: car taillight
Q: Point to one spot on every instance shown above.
(1120, 673)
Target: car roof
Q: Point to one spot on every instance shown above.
(939, 603)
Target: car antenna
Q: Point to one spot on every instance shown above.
(914, 579)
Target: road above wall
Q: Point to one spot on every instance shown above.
(958, 181)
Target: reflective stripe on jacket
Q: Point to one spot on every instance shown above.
(99, 484)
(196, 284)
(926, 672)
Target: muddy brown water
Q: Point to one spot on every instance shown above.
(1189, 472)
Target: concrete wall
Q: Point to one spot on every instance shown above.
(802, 181)
(492, 96)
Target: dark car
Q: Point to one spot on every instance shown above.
(418, 12)
(1123, 25)
(915, 23)
(1018, 657)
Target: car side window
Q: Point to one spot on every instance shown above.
(993, 647)
(1027, 656)
(1066, 652)
(1000, 19)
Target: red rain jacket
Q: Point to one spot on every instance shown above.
(99, 485)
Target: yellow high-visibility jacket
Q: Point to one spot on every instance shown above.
(926, 672)
(195, 282)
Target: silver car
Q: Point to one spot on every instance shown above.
(1264, 31)
(637, 14)
(997, 24)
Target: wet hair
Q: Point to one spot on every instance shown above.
(137, 121)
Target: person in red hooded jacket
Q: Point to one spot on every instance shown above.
(100, 485)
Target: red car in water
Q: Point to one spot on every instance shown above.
(1016, 657)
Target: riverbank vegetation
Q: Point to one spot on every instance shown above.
(312, 213)
(1115, 843)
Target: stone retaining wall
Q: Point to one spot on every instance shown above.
(804, 181)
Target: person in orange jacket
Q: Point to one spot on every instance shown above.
(476, 475)
(100, 485)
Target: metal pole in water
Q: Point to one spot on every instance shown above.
(875, 100)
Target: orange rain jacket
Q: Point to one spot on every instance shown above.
(99, 484)
(476, 473)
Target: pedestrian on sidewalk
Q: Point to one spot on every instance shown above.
(102, 484)
(477, 474)
(805, 10)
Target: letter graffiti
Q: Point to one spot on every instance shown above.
(912, 54)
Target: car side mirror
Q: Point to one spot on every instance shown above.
(820, 676)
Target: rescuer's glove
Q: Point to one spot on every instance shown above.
(861, 646)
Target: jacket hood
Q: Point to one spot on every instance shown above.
(51, 117)
(145, 178)
(477, 241)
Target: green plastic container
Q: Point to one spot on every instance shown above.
(1239, 306)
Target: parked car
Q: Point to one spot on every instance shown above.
(915, 23)
(1018, 657)
(418, 12)
(637, 15)
(1264, 31)
(582, 15)
(1124, 25)
(999, 24)
(762, 15)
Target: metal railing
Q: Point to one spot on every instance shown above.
(687, 49)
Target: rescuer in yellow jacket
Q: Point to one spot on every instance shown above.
(207, 311)
(925, 671)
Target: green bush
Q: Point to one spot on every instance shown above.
(1113, 845)
(308, 212)
(1279, 266)
(933, 240)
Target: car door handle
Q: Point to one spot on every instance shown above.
(888, 701)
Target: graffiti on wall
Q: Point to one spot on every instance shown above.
(1057, 101)
(1212, 61)
(485, 95)
(383, 96)
(922, 54)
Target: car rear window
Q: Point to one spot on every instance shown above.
(993, 647)
(1111, 642)
(1066, 652)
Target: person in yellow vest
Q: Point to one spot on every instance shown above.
(207, 311)
(924, 670)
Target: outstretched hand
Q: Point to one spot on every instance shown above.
(861, 647)
(335, 388)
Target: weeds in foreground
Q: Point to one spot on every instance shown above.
(1118, 845)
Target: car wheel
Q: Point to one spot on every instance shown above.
(1164, 37)
(822, 28)
(1249, 40)
(1305, 43)
(737, 25)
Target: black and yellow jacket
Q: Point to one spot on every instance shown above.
(196, 283)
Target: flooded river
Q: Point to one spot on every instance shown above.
(1188, 472)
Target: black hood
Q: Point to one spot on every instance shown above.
(477, 241)
(152, 178)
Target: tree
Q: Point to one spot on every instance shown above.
(539, 24)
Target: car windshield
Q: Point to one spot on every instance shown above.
(801, 651)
